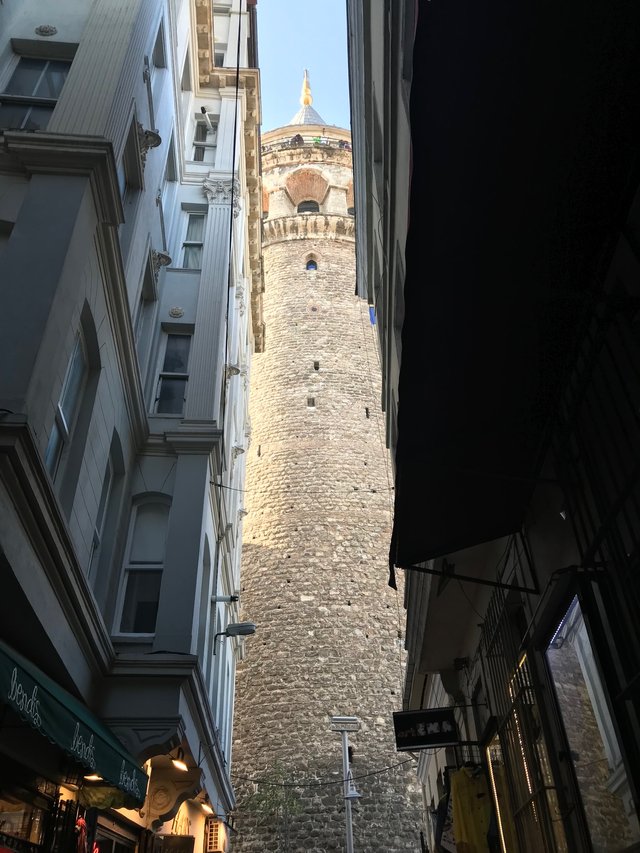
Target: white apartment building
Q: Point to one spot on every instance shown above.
(130, 277)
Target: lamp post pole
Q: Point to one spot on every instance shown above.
(347, 799)
(344, 725)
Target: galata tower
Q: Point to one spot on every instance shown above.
(316, 537)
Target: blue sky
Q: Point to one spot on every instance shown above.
(298, 34)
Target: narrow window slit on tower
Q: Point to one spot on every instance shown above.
(316, 365)
(366, 411)
(311, 402)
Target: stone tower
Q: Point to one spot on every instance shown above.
(316, 536)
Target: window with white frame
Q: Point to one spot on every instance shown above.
(101, 514)
(31, 93)
(205, 138)
(174, 375)
(193, 242)
(143, 566)
(67, 406)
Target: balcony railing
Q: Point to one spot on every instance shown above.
(299, 141)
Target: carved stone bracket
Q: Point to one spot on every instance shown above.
(147, 139)
(241, 297)
(223, 192)
(159, 260)
(167, 793)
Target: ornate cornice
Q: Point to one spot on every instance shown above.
(303, 226)
(203, 14)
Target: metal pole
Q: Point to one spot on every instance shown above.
(347, 801)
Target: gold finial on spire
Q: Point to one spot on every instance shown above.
(305, 98)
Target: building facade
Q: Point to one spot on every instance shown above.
(131, 280)
(318, 496)
(511, 289)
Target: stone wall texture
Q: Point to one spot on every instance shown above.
(314, 570)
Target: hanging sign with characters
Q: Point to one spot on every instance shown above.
(425, 729)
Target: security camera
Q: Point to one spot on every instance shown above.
(205, 113)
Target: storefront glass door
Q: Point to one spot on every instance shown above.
(593, 745)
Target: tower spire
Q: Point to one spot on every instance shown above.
(305, 98)
(306, 114)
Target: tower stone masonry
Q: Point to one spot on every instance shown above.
(318, 495)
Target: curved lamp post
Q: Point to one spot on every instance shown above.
(235, 629)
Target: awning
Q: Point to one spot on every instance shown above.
(525, 138)
(66, 722)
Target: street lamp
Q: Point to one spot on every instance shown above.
(235, 629)
(344, 725)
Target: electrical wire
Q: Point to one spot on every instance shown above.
(317, 784)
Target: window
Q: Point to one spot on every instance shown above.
(194, 238)
(308, 207)
(144, 562)
(312, 265)
(204, 140)
(351, 211)
(31, 94)
(67, 407)
(98, 527)
(218, 55)
(172, 383)
(158, 55)
(185, 80)
(99, 567)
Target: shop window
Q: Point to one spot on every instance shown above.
(143, 566)
(22, 815)
(32, 92)
(174, 375)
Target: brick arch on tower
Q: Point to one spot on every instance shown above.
(306, 185)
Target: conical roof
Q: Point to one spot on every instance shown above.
(306, 114)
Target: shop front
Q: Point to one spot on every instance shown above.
(543, 762)
(60, 766)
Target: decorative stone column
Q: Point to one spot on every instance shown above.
(207, 368)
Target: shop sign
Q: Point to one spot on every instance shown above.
(65, 721)
(425, 729)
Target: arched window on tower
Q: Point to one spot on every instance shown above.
(311, 264)
(309, 207)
